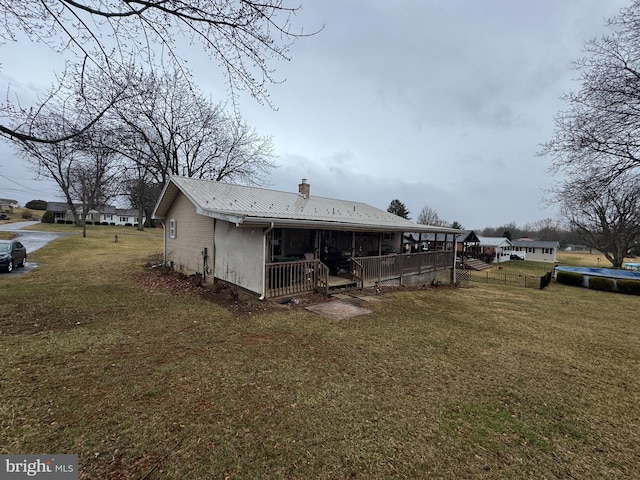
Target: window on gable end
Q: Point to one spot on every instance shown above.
(173, 228)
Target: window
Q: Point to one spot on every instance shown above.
(173, 228)
(124, 219)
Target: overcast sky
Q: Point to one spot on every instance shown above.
(436, 103)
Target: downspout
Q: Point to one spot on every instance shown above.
(455, 256)
(264, 264)
(164, 243)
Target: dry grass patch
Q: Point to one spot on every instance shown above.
(586, 259)
(479, 382)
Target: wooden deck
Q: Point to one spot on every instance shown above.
(295, 277)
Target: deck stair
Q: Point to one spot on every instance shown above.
(475, 264)
(341, 283)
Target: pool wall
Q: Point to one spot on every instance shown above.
(610, 273)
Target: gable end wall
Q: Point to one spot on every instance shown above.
(194, 233)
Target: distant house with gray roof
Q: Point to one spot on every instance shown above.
(8, 204)
(537, 250)
(274, 243)
(102, 215)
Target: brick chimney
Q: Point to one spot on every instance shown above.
(304, 188)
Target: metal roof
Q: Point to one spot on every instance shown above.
(246, 205)
(493, 241)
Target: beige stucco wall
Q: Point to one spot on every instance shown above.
(235, 253)
(240, 255)
(193, 233)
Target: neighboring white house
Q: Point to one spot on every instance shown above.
(494, 249)
(104, 215)
(274, 243)
(537, 250)
(127, 216)
(8, 204)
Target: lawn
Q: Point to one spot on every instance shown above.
(146, 381)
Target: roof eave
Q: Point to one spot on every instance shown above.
(329, 225)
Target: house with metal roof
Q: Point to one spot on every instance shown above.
(494, 249)
(278, 243)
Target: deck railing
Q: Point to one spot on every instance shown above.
(301, 276)
(378, 269)
(357, 272)
(289, 278)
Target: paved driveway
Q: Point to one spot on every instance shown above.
(31, 239)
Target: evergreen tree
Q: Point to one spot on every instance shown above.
(398, 208)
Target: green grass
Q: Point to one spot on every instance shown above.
(477, 382)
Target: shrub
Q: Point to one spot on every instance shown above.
(570, 278)
(26, 214)
(600, 283)
(630, 287)
(47, 217)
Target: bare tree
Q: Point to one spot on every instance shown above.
(81, 166)
(544, 229)
(93, 182)
(601, 121)
(53, 160)
(509, 230)
(142, 194)
(242, 36)
(173, 130)
(428, 216)
(607, 217)
(245, 156)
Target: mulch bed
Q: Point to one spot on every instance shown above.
(230, 297)
(235, 299)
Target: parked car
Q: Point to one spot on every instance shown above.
(12, 254)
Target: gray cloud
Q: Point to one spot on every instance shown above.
(440, 104)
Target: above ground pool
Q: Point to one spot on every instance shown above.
(602, 272)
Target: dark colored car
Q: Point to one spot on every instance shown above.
(12, 254)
